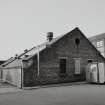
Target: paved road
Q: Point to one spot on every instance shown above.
(64, 95)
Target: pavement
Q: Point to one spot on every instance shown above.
(55, 85)
(7, 88)
(81, 94)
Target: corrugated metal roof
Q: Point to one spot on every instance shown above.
(7, 61)
(36, 49)
(43, 46)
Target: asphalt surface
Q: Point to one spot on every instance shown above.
(83, 94)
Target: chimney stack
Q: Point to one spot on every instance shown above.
(49, 36)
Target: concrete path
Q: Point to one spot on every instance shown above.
(56, 85)
(7, 88)
(84, 94)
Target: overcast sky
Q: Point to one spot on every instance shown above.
(24, 23)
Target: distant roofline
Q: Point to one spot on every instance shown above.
(97, 37)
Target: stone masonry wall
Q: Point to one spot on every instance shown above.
(49, 60)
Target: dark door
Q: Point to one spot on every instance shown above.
(63, 65)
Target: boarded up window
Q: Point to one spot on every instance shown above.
(77, 65)
(62, 65)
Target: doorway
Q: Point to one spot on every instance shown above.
(62, 65)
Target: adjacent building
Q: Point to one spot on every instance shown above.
(99, 42)
(58, 60)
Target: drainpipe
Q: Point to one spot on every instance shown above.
(97, 69)
(21, 74)
(38, 59)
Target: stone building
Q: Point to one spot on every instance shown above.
(59, 60)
